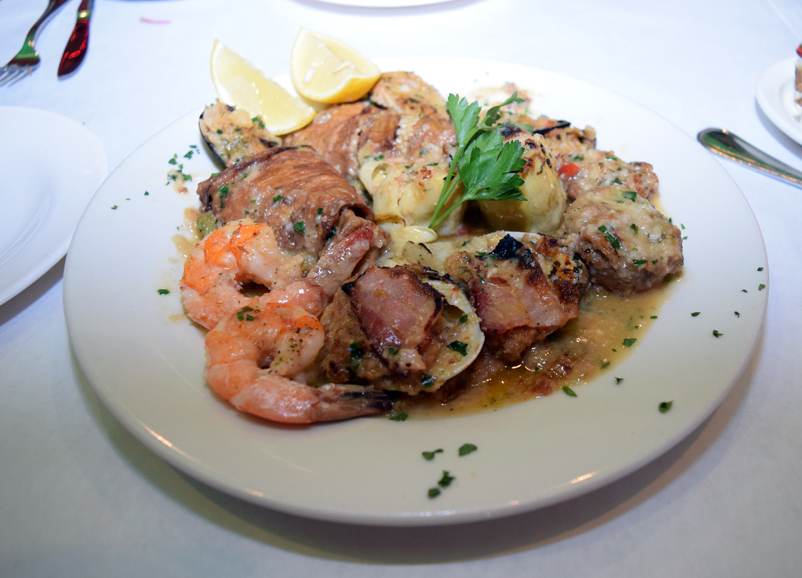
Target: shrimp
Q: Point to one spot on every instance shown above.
(234, 254)
(338, 262)
(289, 339)
(261, 354)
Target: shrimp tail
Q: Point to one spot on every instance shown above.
(364, 400)
(287, 401)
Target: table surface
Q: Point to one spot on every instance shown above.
(80, 496)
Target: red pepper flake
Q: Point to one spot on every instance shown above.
(568, 170)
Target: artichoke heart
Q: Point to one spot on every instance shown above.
(408, 193)
(546, 201)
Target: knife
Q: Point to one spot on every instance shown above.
(79, 40)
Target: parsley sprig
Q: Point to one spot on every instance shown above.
(483, 162)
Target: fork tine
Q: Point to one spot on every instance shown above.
(7, 75)
(15, 75)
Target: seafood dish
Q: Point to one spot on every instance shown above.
(336, 281)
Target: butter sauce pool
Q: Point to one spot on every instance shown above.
(587, 348)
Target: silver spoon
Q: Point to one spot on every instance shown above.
(735, 148)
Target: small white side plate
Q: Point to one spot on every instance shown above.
(51, 167)
(775, 95)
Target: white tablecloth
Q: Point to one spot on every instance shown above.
(80, 496)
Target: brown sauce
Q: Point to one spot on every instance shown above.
(587, 347)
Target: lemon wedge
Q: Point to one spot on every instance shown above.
(240, 85)
(326, 70)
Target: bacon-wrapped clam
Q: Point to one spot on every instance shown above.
(401, 329)
(522, 290)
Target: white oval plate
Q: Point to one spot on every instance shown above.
(51, 167)
(775, 95)
(146, 361)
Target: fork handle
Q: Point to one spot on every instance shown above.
(30, 39)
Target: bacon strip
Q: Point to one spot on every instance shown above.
(397, 311)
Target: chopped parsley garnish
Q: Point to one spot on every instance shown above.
(761, 287)
(355, 354)
(259, 121)
(277, 198)
(320, 210)
(465, 449)
(717, 333)
(223, 192)
(427, 380)
(610, 238)
(114, 207)
(242, 314)
(618, 380)
(434, 492)
(485, 164)
(399, 416)
(393, 350)
(629, 341)
(760, 268)
(446, 480)
(164, 292)
(463, 319)
(737, 314)
(568, 391)
(665, 406)
(174, 160)
(430, 455)
(300, 226)
(639, 262)
(696, 314)
(631, 195)
(459, 347)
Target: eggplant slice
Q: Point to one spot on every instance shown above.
(292, 189)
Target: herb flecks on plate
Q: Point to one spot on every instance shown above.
(465, 449)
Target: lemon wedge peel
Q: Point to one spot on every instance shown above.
(239, 84)
(324, 69)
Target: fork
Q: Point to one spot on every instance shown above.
(27, 59)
